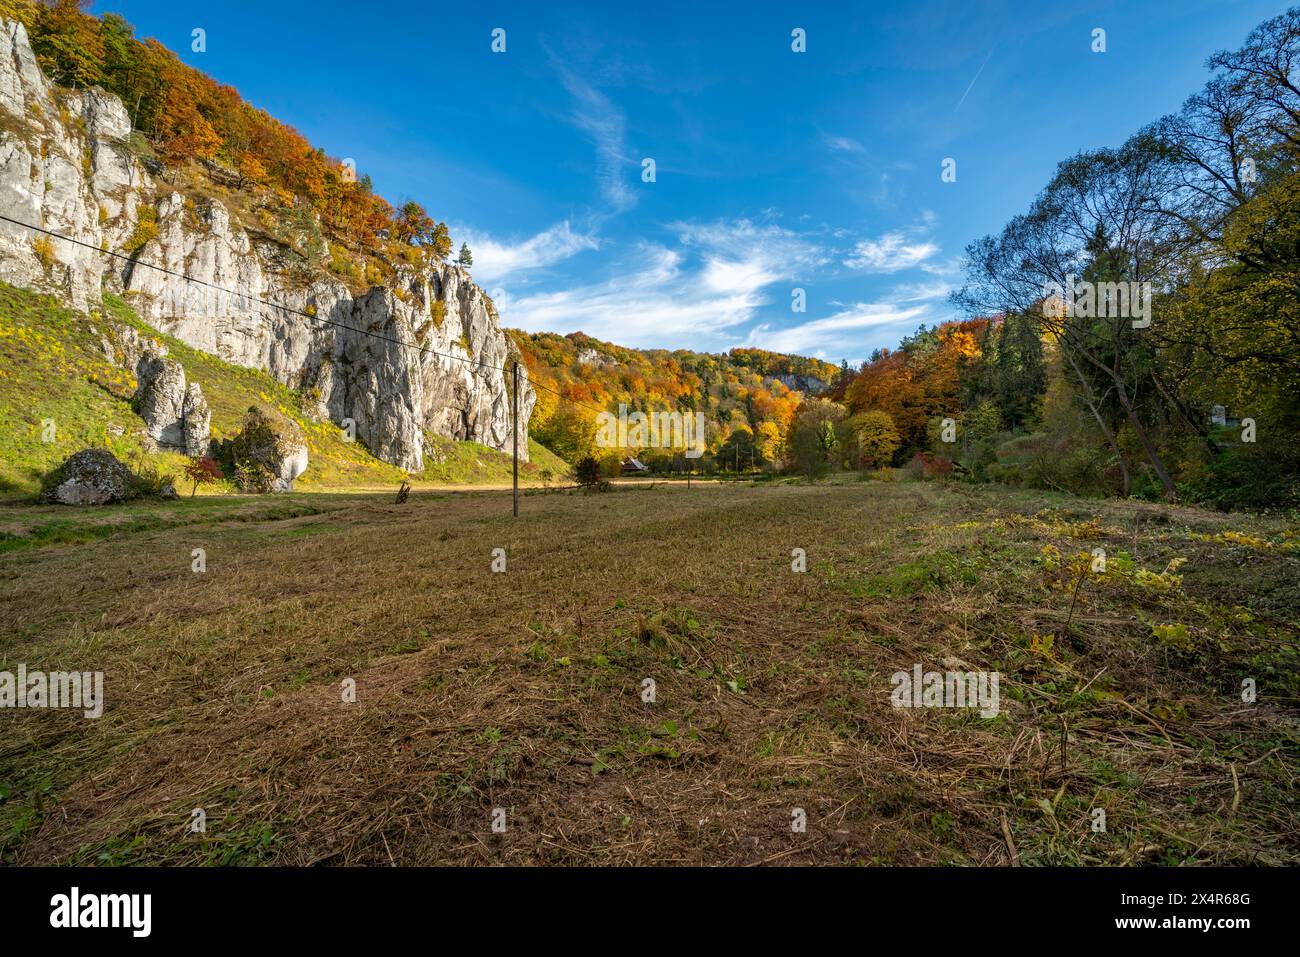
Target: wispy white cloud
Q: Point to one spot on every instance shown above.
(696, 295)
(839, 331)
(890, 252)
(606, 126)
(495, 259)
(713, 285)
(921, 291)
(740, 255)
(843, 144)
(651, 301)
(943, 268)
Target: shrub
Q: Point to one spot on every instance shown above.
(1003, 474)
(203, 471)
(587, 473)
(43, 247)
(932, 466)
(150, 481)
(254, 477)
(1064, 465)
(1244, 477)
(146, 229)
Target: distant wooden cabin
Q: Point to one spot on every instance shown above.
(633, 466)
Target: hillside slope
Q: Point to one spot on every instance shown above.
(54, 368)
(746, 396)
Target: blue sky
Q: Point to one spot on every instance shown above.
(775, 170)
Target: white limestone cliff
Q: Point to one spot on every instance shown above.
(378, 358)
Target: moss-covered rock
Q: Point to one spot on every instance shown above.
(266, 455)
(89, 477)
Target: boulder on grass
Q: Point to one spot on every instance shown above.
(266, 455)
(89, 477)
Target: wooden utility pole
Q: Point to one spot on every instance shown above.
(514, 401)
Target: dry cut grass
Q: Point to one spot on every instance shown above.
(522, 690)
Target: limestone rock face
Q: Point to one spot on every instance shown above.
(175, 414)
(807, 384)
(440, 363)
(292, 463)
(196, 422)
(89, 477)
(126, 346)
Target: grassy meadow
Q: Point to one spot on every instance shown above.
(521, 690)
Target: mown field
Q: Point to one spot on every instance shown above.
(522, 690)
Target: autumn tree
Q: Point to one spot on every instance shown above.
(68, 44)
(251, 170)
(812, 445)
(202, 471)
(413, 225)
(870, 439)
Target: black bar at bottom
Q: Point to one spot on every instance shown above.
(938, 907)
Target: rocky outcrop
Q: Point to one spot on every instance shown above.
(425, 353)
(807, 384)
(125, 345)
(267, 455)
(89, 477)
(196, 422)
(590, 357)
(293, 462)
(175, 414)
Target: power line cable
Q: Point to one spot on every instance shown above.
(289, 309)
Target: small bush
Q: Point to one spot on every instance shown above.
(1003, 474)
(254, 477)
(1243, 477)
(587, 474)
(929, 466)
(146, 229)
(148, 480)
(202, 471)
(43, 247)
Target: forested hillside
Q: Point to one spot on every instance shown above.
(745, 406)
